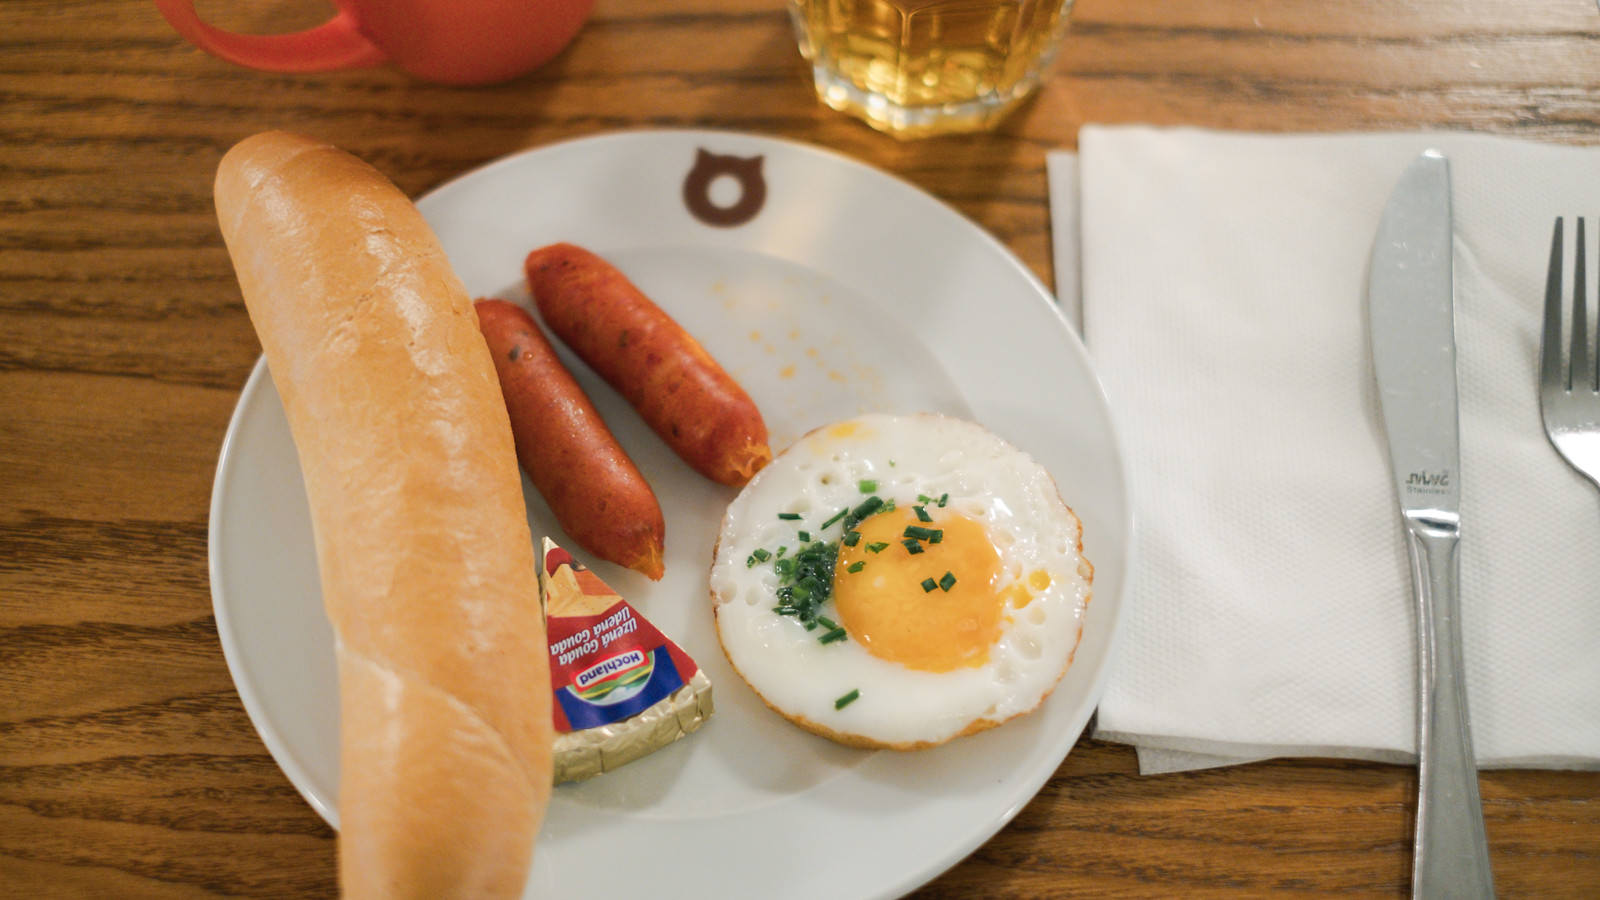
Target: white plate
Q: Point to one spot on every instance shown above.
(848, 291)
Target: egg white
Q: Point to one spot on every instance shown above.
(987, 480)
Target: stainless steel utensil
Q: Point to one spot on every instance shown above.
(1411, 309)
(1569, 389)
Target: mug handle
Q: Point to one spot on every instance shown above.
(335, 44)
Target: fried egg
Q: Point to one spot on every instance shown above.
(898, 581)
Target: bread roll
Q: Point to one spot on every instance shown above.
(428, 573)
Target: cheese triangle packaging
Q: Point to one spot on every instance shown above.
(623, 690)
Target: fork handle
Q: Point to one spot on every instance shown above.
(1451, 853)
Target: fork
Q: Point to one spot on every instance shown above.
(1569, 390)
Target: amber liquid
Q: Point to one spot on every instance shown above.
(928, 66)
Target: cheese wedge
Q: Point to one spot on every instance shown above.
(622, 689)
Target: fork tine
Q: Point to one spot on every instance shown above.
(1578, 369)
(1594, 367)
(1550, 372)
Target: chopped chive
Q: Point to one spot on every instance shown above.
(912, 546)
(838, 634)
(827, 623)
(928, 584)
(759, 556)
(924, 498)
(918, 532)
(836, 517)
(847, 699)
(943, 499)
(867, 508)
(922, 514)
(856, 566)
(805, 577)
(936, 536)
(947, 582)
(867, 485)
(878, 546)
(851, 538)
(789, 516)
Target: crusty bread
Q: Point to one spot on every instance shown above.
(428, 573)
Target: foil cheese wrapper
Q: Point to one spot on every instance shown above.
(622, 689)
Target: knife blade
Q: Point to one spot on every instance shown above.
(1411, 313)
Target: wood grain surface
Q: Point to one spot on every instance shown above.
(127, 764)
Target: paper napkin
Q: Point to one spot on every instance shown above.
(1223, 291)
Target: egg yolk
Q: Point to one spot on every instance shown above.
(885, 604)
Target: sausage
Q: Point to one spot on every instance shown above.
(679, 390)
(593, 488)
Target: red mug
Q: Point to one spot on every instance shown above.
(447, 41)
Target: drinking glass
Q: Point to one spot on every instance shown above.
(921, 67)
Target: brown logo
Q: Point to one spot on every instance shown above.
(708, 167)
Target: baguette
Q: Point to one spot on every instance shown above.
(428, 572)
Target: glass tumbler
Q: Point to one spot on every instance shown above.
(914, 68)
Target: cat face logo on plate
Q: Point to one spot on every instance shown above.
(708, 167)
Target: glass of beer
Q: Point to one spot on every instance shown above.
(914, 68)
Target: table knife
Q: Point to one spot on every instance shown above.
(1411, 309)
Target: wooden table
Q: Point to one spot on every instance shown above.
(127, 765)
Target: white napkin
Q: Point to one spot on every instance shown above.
(1223, 281)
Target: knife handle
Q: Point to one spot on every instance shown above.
(1451, 852)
